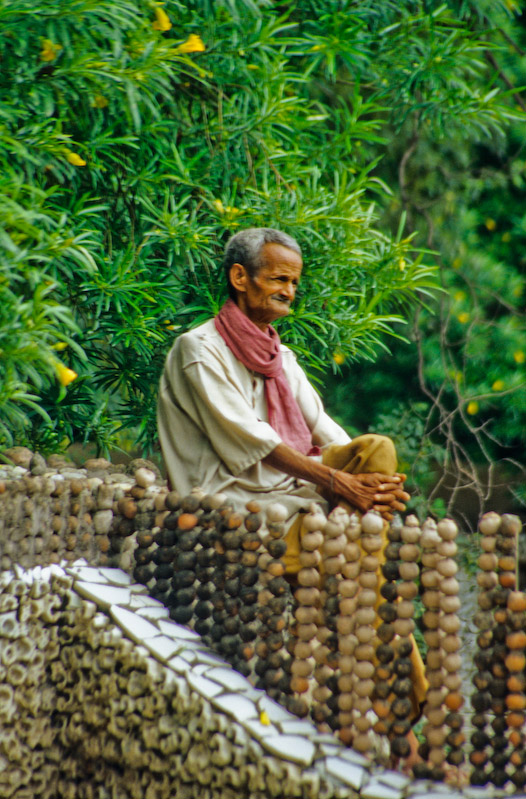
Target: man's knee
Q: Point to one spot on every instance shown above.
(376, 453)
(378, 443)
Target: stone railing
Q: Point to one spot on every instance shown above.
(335, 645)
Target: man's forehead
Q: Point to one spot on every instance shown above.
(276, 256)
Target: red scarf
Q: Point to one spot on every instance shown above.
(260, 352)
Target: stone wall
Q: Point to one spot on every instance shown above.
(310, 646)
(87, 712)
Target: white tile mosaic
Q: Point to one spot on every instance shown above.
(190, 655)
(103, 594)
(419, 786)
(325, 738)
(117, 577)
(178, 631)
(237, 706)
(138, 601)
(292, 747)
(473, 792)
(329, 749)
(355, 757)
(449, 792)
(393, 779)
(205, 687)
(297, 727)
(132, 624)
(162, 647)
(374, 789)
(179, 665)
(259, 730)
(88, 574)
(453, 793)
(274, 711)
(200, 669)
(153, 613)
(229, 678)
(348, 773)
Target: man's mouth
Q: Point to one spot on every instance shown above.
(283, 300)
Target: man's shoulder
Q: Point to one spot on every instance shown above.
(200, 333)
(199, 342)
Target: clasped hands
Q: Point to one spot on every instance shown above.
(381, 492)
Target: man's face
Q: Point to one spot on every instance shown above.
(269, 295)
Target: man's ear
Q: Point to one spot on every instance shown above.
(238, 277)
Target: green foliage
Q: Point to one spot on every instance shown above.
(137, 138)
(466, 197)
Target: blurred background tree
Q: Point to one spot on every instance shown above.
(136, 137)
(455, 397)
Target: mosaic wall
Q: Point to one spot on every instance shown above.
(333, 648)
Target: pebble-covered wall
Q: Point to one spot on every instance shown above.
(311, 646)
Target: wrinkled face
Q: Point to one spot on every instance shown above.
(269, 294)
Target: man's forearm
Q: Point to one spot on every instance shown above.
(288, 460)
(364, 491)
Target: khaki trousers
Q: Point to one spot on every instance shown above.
(364, 455)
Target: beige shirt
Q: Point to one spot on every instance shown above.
(213, 423)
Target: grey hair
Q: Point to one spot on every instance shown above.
(245, 248)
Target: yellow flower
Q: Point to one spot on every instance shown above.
(463, 317)
(100, 101)
(490, 224)
(64, 374)
(457, 262)
(460, 295)
(75, 159)
(50, 50)
(338, 358)
(218, 205)
(59, 346)
(506, 236)
(162, 20)
(519, 356)
(252, 66)
(472, 408)
(498, 385)
(264, 718)
(194, 44)
(401, 264)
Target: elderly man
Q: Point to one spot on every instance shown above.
(238, 415)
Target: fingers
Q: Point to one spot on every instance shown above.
(391, 487)
(391, 501)
(391, 496)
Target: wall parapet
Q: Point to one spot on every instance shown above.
(332, 645)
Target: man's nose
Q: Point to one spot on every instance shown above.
(289, 289)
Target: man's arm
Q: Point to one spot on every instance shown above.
(376, 491)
